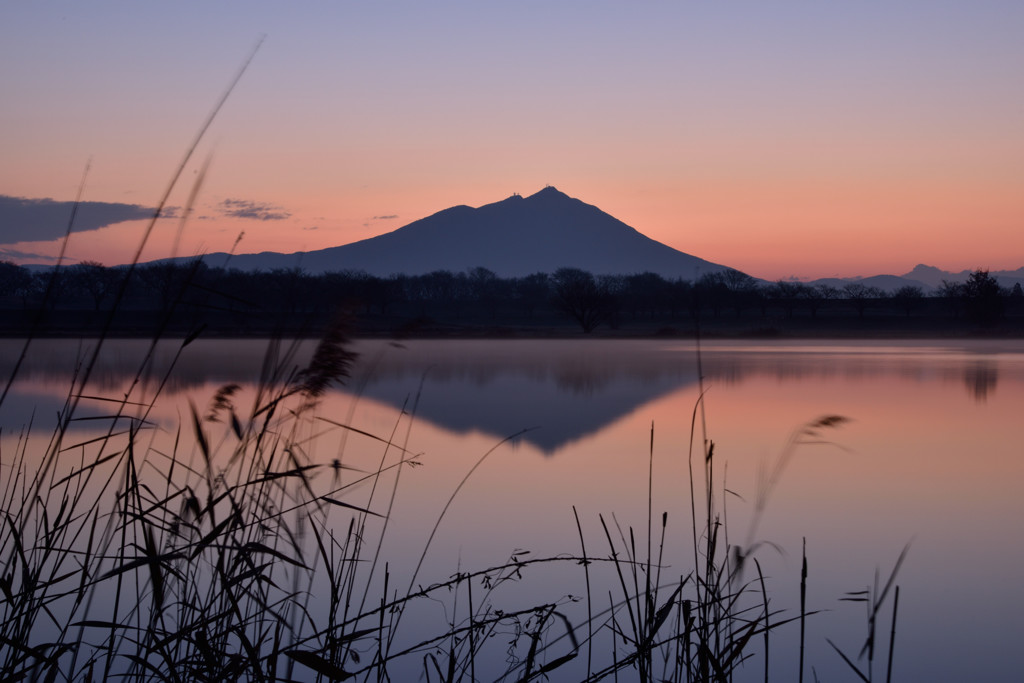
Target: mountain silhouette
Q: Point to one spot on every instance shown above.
(514, 237)
(934, 277)
(886, 283)
(928, 278)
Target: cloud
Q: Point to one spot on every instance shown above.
(245, 208)
(14, 254)
(389, 217)
(41, 220)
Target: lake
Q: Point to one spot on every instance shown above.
(930, 455)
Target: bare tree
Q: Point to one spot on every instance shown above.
(580, 296)
(983, 298)
(93, 278)
(908, 298)
(532, 291)
(743, 290)
(860, 295)
(951, 294)
(15, 280)
(788, 293)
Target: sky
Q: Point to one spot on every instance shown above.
(784, 139)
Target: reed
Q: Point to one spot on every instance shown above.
(237, 553)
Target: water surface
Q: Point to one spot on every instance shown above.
(931, 456)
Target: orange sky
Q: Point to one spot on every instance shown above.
(784, 141)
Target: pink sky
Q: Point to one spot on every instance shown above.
(789, 140)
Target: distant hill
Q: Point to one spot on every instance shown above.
(886, 283)
(928, 278)
(933, 277)
(514, 237)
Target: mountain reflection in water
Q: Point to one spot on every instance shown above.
(500, 387)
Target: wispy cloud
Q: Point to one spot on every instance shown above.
(16, 255)
(41, 220)
(246, 208)
(388, 217)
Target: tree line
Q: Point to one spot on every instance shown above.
(478, 294)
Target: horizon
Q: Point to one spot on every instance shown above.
(784, 141)
(907, 273)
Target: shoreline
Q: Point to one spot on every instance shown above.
(869, 332)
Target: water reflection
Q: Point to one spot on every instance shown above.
(980, 379)
(565, 390)
(513, 385)
(933, 454)
(501, 387)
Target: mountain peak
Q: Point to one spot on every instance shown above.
(549, 196)
(548, 191)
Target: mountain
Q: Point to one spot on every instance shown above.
(928, 278)
(514, 237)
(886, 283)
(934, 277)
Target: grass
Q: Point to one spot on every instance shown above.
(237, 554)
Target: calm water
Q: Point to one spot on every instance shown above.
(932, 456)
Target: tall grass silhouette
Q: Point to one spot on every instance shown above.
(237, 555)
